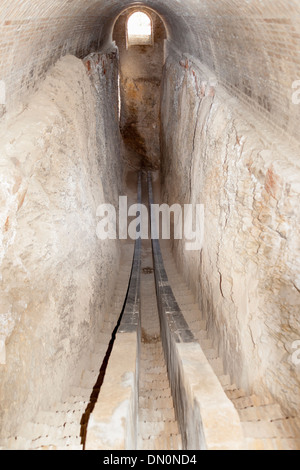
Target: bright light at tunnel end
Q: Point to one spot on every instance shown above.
(139, 24)
(133, 223)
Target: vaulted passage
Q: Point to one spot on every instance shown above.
(111, 338)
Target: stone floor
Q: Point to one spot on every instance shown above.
(158, 428)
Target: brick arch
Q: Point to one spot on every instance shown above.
(252, 48)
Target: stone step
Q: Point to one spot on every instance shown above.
(260, 419)
(152, 347)
(83, 394)
(162, 389)
(163, 414)
(154, 396)
(225, 380)
(150, 428)
(248, 401)
(261, 413)
(282, 428)
(150, 377)
(155, 369)
(156, 357)
(195, 327)
(151, 356)
(52, 418)
(171, 427)
(15, 443)
(236, 393)
(70, 430)
(33, 430)
(62, 447)
(158, 404)
(56, 443)
(70, 408)
(161, 442)
(217, 366)
(192, 316)
(152, 415)
(60, 427)
(272, 444)
(230, 387)
(76, 402)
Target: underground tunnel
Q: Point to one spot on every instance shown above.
(116, 335)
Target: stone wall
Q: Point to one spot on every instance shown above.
(246, 278)
(59, 159)
(253, 47)
(140, 78)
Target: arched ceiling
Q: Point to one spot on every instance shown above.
(253, 46)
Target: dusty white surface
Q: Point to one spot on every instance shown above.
(57, 164)
(247, 276)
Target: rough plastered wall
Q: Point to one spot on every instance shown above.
(56, 164)
(140, 79)
(247, 276)
(252, 46)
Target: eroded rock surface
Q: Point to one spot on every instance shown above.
(58, 163)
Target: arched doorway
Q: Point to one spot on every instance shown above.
(139, 29)
(140, 35)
